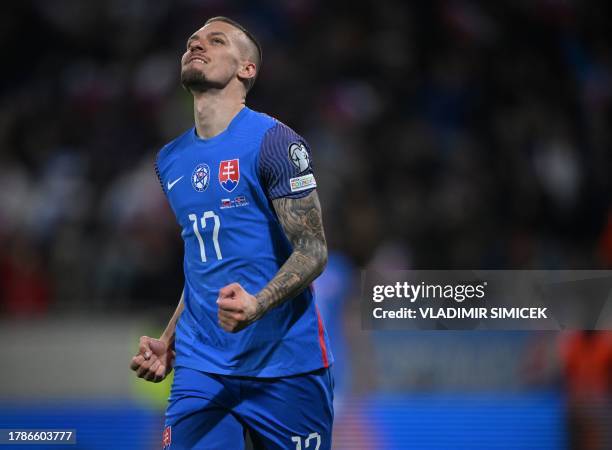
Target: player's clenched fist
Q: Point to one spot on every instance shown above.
(236, 308)
(154, 360)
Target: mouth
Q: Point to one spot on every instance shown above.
(198, 60)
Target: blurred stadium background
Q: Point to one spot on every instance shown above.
(446, 134)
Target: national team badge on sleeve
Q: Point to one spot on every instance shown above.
(200, 177)
(167, 437)
(299, 156)
(229, 174)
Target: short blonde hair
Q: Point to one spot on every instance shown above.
(258, 53)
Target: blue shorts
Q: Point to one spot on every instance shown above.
(214, 412)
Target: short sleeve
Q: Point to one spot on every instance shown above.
(285, 165)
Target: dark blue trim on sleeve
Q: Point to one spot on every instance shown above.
(284, 155)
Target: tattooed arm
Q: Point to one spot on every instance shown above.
(301, 221)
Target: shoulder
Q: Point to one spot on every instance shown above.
(273, 129)
(171, 146)
(285, 166)
(281, 140)
(278, 132)
(261, 119)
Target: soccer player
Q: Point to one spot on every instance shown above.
(246, 341)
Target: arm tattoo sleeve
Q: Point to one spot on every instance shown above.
(302, 223)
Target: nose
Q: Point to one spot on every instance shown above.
(195, 46)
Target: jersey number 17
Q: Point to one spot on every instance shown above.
(215, 233)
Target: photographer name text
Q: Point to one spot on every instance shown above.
(457, 293)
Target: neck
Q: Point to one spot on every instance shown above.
(214, 110)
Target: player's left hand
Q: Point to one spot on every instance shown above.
(236, 308)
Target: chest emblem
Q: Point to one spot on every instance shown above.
(200, 177)
(229, 174)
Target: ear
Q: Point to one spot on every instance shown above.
(247, 71)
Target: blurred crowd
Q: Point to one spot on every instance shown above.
(445, 134)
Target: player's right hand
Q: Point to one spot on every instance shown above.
(154, 360)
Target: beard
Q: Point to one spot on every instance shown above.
(195, 81)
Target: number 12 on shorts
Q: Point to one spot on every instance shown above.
(215, 233)
(313, 441)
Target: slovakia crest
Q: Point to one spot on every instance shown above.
(229, 174)
(200, 177)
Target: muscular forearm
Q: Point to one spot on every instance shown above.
(303, 226)
(301, 220)
(169, 333)
(302, 267)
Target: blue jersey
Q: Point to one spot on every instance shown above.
(220, 190)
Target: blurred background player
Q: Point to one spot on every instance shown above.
(242, 188)
(586, 363)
